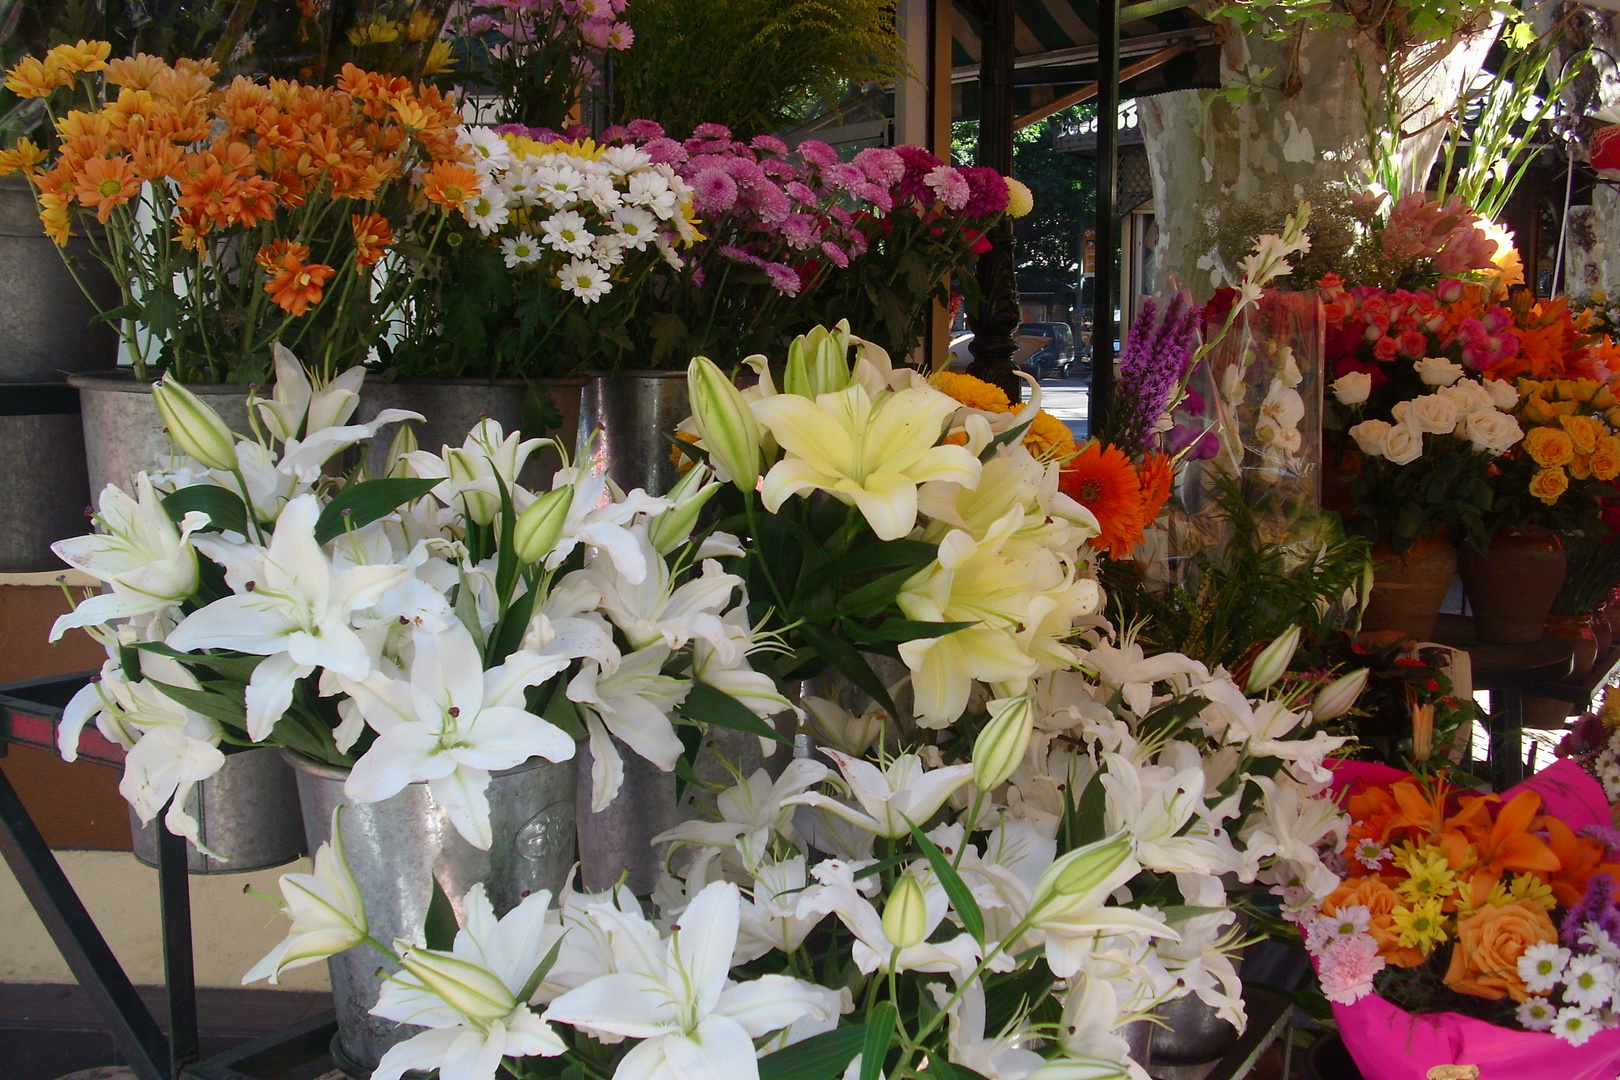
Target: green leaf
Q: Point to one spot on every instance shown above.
(538, 975)
(864, 559)
(1087, 822)
(1015, 432)
(223, 507)
(440, 927)
(214, 706)
(563, 713)
(956, 889)
(879, 1034)
(713, 706)
(849, 662)
(819, 1057)
(905, 630)
(506, 636)
(358, 505)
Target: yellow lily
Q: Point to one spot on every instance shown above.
(864, 451)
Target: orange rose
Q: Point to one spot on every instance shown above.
(1549, 447)
(1549, 485)
(1374, 894)
(1485, 961)
(1606, 459)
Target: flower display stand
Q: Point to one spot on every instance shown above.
(29, 713)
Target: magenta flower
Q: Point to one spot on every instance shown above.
(845, 177)
(712, 131)
(835, 254)
(770, 144)
(988, 191)
(817, 153)
(799, 193)
(713, 191)
(645, 130)
(881, 165)
(948, 186)
(799, 230)
(666, 152)
(784, 279)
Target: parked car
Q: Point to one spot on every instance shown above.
(1045, 349)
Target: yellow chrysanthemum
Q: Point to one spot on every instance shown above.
(1497, 897)
(1429, 874)
(33, 78)
(1049, 438)
(1421, 926)
(973, 392)
(1020, 200)
(439, 59)
(1529, 887)
(1610, 712)
(379, 31)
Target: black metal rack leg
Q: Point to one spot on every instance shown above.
(88, 956)
(179, 973)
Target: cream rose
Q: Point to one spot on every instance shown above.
(1468, 396)
(1403, 444)
(1493, 431)
(1432, 413)
(1438, 371)
(1502, 394)
(1369, 436)
(1352, 387)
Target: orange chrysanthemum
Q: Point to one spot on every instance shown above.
(1048, 438)
(1102, 479)
(24, 158)
(449, 185)
(212, 192)
(372, 236)
(85, 56)
(34, 78)
(293, 285)
(105, 184)
(1157, 475)
(136, 71)
(973, 392)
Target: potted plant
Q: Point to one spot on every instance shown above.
(233, 217)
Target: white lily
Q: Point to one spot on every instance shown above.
(752, 810)
(891, 800)
(691, 1020)
(468, 998)
(652, 608)
(474, 472)
(1070, 904)
(771, 917)
(298, 406)
(633, 704)
(1127, 670)
(868, 452)
(598, 514)
(1260, 729)
(837, 894)
(452, 725)
(146, 560)
(1202, 963)
(996, 1058)
(294, 612)
(971, 581)
(1160, 808)
(327, 911)
(736, 676)
(1289, 826)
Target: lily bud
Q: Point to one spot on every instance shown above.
(538, 527)
(1002, 743)
(818, 362)
(905, 915)
(1081, 871)
(724, 422)
(1336, 698)
(403, 442)
(195, 428)
(1079, 1069)
(670, 529)
(1272, 661)
(471, 989)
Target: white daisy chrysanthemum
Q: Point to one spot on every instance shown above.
(1536, 1014)
(559, 185)
(490, 151)
(487, 211)
(1542, 965)
(600, 193)
(608, 250)
(585, 280)
(520, 185)
(638, 227)
(566, 231)
(1575, 1025)
(624, 160)
(651, 189)
(521, 250)
(1589, 981)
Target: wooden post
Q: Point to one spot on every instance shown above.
(994, 319)
(1107, 224)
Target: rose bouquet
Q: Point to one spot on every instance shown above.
(433, 625)
(1003, 900)
(1492, 907)
(236, 216)
(542, 272)
(1569, 458)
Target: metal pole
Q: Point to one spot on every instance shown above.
(1105, 280)
(994, 319)
(174, 898)
(93, 964)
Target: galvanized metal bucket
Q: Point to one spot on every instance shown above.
(453, 406)
(46, 332)
(398, 847)
(123, 432)
(635, 411)
(42, 486)
(1192, 1033)
(248, 813)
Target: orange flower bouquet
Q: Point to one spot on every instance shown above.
(236, 216)
(1491, 913)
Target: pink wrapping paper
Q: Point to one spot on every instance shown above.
(1389, 1043)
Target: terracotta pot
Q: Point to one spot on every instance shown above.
(1577, 630)
(1611, 611)
(1511, 587)
(1601, 628)
(1409, 588)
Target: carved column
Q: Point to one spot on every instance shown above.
(994, 319)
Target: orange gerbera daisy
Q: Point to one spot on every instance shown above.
(1102, 479)
(450, 185)
(106, 183)
(294, 285)
(1156, 475)
(371, 237)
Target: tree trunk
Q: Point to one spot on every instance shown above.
(1206, 154)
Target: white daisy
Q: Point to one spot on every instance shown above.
(1536, 1014)
(638, 227)
(489, 150)
(608, 250)
(1542, 965)
(566, 232)
(624, 160)
(559, 185)
(1588, 982)
(487, 211)
(520, 185)
(1575, 1026)
(521, 250)
(601, 193)
(585, 280)
(651, 189)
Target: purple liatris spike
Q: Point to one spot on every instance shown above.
(1152, 364)
(1596, 907)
